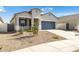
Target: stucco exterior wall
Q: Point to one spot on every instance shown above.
(72, 26)
(26, 15)
(48, 17)
(0, 22)
(35, 13)
(77, 27)
(61, 26)
(3, 27)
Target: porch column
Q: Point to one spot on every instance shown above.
(39, 26)
(27, 23)
(32, 22)
(78, 27)
(17, 24)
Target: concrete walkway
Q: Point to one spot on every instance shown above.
(71, 44)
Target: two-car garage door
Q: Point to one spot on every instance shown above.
(47, 25)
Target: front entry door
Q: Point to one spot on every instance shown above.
(67, 26)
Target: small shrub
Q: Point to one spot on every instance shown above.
(28, 30)
(35, 29)
(55, 37)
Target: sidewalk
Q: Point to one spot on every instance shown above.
(71, 44)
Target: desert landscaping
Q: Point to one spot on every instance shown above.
(12, 42)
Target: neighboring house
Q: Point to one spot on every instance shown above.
(1, 21)
(5, 27)
(70, 22)
(26, 20)
(47, 21)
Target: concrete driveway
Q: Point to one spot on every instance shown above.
(69, 45)
(67, 34)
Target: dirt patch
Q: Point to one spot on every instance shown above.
(12, 43)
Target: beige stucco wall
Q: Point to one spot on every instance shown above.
(61, 26)
(72, 26)
(0, 22)
(3, 27)
(48, 17)
(36, 13)
(77, 26)
(25, 15)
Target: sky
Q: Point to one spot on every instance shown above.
(7, 12)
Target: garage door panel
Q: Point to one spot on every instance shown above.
(48, 25)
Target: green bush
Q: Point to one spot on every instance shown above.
(35, 29)
(28, 30)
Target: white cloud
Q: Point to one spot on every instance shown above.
(47, 9)
(2, 9)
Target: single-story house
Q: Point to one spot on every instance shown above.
(70, 22)
(47, 21)
(26, 20)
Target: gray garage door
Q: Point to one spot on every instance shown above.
(48, 25)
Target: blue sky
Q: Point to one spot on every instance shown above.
(7, 12)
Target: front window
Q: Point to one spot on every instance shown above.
(22, 21)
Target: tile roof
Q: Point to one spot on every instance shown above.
(70, 17)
